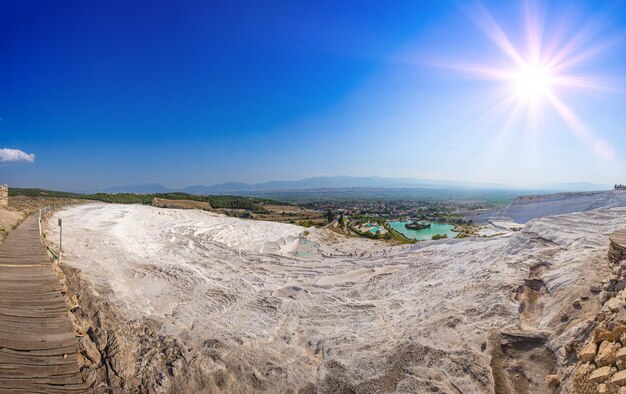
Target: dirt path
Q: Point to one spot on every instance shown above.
(520, 358)
(37, 342)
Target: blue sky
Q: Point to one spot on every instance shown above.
(109, 93)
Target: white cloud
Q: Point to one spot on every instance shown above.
(8, 155)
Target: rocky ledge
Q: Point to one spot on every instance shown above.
(617, 249)
(601, 366)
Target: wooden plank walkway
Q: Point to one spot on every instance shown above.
(37, 342)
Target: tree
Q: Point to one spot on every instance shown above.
(330, 216)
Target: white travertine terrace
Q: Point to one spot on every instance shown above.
(348, 301)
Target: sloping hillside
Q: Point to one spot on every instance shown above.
(525, 208)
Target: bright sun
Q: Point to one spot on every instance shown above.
(538, 76)
(532, 82)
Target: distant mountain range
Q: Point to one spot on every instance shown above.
(346, 182)
(147, 188)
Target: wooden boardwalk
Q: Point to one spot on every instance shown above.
(37, 342)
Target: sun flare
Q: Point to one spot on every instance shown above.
(532, 82)
(541, 76)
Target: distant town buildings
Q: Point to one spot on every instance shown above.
(4, 195)
(620, 187)
(365, 210)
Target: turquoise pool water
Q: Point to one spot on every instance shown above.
(425, 234)
(306, 248)
(374, 229)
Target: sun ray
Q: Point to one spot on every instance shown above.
(580, 129)
(534, 31)
(503, 104)
(582, 82)
(587, 54)
(506, 131)
(576, 41)
(489, 26)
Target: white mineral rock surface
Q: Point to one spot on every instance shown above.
(300, 307)
(525, 208)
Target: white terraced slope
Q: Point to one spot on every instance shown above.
(525, 208)
(349, 313)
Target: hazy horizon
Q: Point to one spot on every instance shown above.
(177, 186)
(333, 182)
(520, 93)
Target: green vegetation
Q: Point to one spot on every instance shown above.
(367, 234)
(42, 193)
(229, 202)
(416, 225)
(330, 216)
(306, 223)
(253, 204)
(363, 219)
(359, 220)
(393, 234)
(439, 236)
